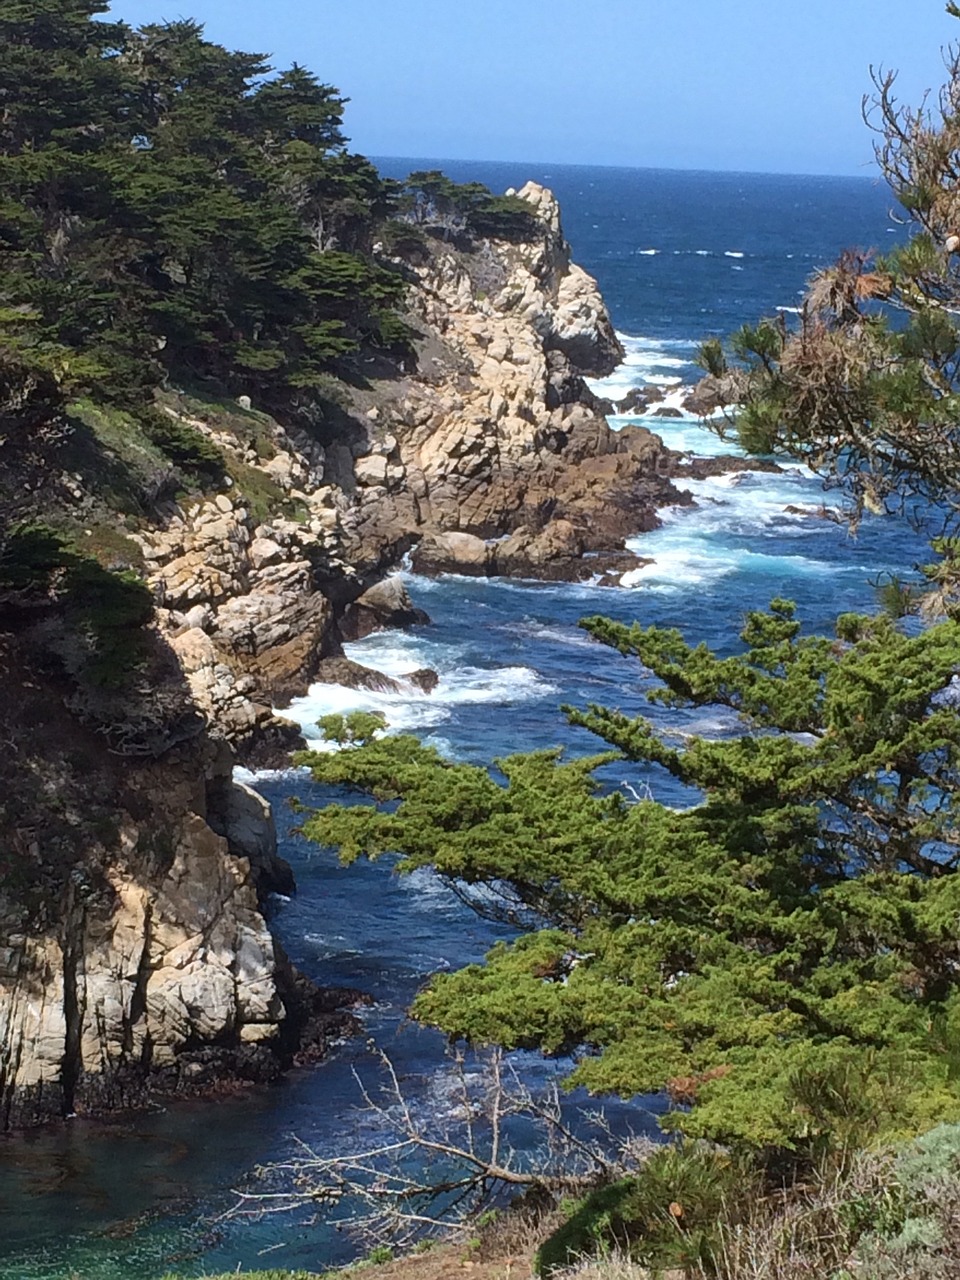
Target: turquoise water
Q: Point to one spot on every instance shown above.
(138, 1197)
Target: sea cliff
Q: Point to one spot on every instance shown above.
(136, 959)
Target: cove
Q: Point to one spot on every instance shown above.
(137, 1197)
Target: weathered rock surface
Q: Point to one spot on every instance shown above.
(555, 554)
(385, 605)
(499, 432)
(355, 676)
(134, 955)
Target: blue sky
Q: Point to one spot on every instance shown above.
(766, 85)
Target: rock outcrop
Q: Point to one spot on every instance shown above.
(135, 958)
(500, 433)
(134, 954)
(492, 457)
(384, 606)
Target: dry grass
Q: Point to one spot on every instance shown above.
(612, 1268)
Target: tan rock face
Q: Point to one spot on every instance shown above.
(506, 435)
(140, 942)
(242, 609)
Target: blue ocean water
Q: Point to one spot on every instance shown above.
(679, 256)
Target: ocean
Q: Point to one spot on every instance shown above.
(679, 256)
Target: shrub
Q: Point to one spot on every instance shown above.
(668, 1214)
(187, 448)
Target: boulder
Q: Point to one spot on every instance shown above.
(245, 819)
(529, 555)
(635, 401)
(355, 676)
(371, 470)
(383, 606)
(452, 553)
(424, 678)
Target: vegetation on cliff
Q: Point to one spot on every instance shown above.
(177, 217)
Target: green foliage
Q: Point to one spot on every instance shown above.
(777, 955)
(354, 729)
(168, 207)
(667, 1215)
(710, 357)
(107, 610)
(896, 597)
(188, 449)
(432, 199)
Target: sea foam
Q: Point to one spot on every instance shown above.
(410, 709)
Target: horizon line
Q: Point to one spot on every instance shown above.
(876, 176)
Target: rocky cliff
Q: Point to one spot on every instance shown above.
(489, 455)
(134, 955)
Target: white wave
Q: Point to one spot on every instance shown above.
(660, 362)
(703, 253)
(677, 567)
(638, 360)
(733, 253)
(572, 637)
(410, 710)
(633, 341)
(694, 562)
(648, 253)
(790, 311)
(693, 545)
(720, 723)
(252, 776)
(430, 894)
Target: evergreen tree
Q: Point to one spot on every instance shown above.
(783, 954)
(166, 208)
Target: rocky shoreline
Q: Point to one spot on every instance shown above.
(136, 960)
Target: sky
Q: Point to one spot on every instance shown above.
(754, 85)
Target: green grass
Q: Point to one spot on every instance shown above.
(252, 429)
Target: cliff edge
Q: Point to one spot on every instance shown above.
(134, 955)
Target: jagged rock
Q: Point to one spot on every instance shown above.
(822, 512)
(385, 605)
(635, 401)
(524, 553)
(147, 938)
(700, 468)
(264, 551)
(354, 676)
(245, 820)
(424, 678)
(516, 440)
(712, 393)
(582, 328)
(666, 411)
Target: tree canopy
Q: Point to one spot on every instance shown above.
(170, 207)
(798, 926)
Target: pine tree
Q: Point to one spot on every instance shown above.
(796, 926)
